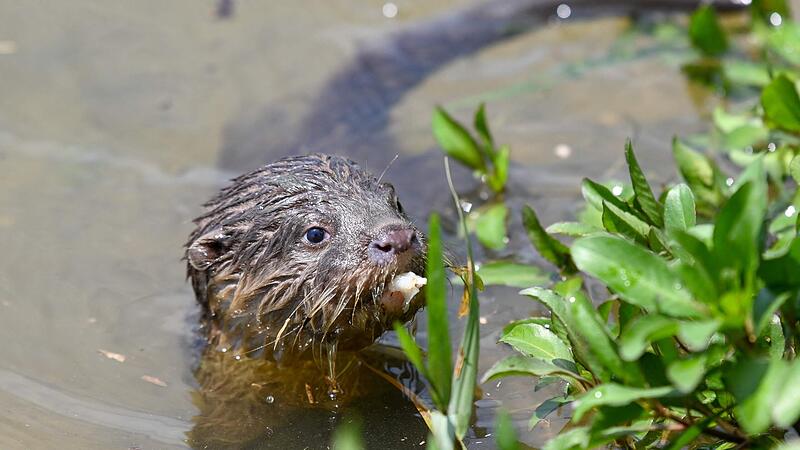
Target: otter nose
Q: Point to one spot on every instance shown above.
(392, 242)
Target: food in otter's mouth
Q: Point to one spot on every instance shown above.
(402, 289)
(301, 256)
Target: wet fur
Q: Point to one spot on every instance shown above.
(263, 291)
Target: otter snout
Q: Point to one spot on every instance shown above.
(391, 242)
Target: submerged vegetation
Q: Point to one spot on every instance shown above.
(675, 322)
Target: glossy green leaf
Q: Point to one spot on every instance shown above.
(794, 169)
(482, 127)
(456, 141)
(575, 438)
(549, 247)
(440, 365)
(643, 330)
(786, 409)
(505, 435)
(706, 33)
(618, 221)
(546, 408)
(508, 273)
(499, 175)
(689, 435)
(613, 394)
(685, 374)
(412, 351)
(639, 276)
(572, 229)
(490, 226)
(746, 72)
(524, 365)
(756, 384)
(539, 342)
(595, 194)
(697, 335)
(699, 172)
(781, 104)
(348, 437)
(738, 227)
(785, 41)
(644, 197)
(679, 209)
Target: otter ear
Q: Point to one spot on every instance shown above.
(207, 248)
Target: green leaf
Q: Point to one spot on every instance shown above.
(546, 408)
(508, 273)
(612, 394)
(442, 435)
(456, 141)
(482, 126)
(576, 438)
(573, 228)
(525, 365)
(756, 385)
(784, 272)
(465, 372)
(679, 210)
(499, 175)
(506, 436)
(697, 335)
(640, 277)
(490, 226)
(781, 104)
(746, 73)
(595, 194)
(348, 437)
(591, 343)
(539, 342)
(700, 174)
(738, 227)
(618, 221)
(412, 350)
(686, 374)
(440, 365)
(786, 409)
(794, 169)
(547, 246)
(785, 41)
(706, 33)
(644, 197)
(690, 434)
(643, 330)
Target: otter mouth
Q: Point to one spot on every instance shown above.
(399, 291)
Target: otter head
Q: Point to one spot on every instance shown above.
(299, 253)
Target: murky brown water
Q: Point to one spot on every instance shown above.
(113, 123)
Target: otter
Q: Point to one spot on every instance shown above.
(297, 256)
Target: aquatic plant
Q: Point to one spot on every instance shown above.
(691, 331)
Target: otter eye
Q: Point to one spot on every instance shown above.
(315, 235)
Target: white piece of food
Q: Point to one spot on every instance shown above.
(408, 285)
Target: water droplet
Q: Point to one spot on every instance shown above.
(506, 240)
(626, 283)
(270, 399)
(389, 10)
(237, 357)
(617, 190)
(678, 286)
(563, 151)
(790, 211)
(771, 147)
(223, 349)
(598, 394)
(775, 19)
(547, 325)
(483, 321)
(466, 206)
(729, 181)
(563, 11)
(571, 299)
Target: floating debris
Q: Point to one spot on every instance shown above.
(154, 380)
(111, 355)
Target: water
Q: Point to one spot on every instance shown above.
(117, 122)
